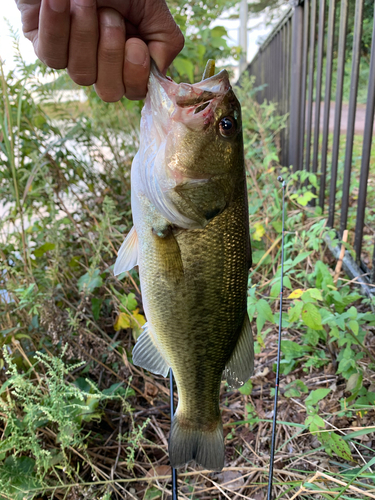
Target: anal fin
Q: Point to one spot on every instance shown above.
(147, 355)
(127, 256)
(240, 366)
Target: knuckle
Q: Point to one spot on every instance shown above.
(85, 39)
(180, 39)
(112, 56)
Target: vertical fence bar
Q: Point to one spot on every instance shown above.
(287, 92)
(265, 55)
(338, 109)
(283, 109)
(311, 84)
(263, 59)
(306, 6)
(278, 69)
(295, 87)
(366, 150)
(274, 66)
(327, 100)
(352, 111)
(318, 93)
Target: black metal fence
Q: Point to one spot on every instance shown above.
(317, 51)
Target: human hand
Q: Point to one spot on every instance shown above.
(103, 42)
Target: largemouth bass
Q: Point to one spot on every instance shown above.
(191, 242)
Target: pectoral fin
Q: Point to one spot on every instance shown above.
(168, 252)
(127, 256)
(240, 366)
(200, 199)
(147, 354)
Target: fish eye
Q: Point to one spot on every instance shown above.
(227, 126)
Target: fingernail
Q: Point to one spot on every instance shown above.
(58, 5)
(136, 54)
(111, 18)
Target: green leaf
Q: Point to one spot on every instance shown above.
(218, 42)
(295, 311)
(96, 304)
(264, 310)
(89, 281)
(219, 31)
(152, 493)
(311, 337)
(354, 326)
(277, 225)
(268, 158)
(311, 316)
(20, 477)
(20, 465)
(314, 421)
(184, 67)
(315, 396)
(354, 382)
(295, 388)
(129, 302)
(314, 293)
(304, 198)
(302, 256)
(332, 442)
(43, 249)
(292, 392)
(112, 389)
(292, 350)
(246, 388)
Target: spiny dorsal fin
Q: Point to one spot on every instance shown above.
(147, 354)
(240, 366)
(127, 256)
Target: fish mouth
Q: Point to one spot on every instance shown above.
(194, 104)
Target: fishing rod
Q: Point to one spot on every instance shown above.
(273, 439)
(174, 471)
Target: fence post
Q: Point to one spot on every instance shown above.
(366, 151)
(351, 113)
(295, 86)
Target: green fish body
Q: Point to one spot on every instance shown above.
(191, 242)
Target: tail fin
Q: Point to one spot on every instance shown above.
(205, 447)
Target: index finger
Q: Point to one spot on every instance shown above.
(46, 24)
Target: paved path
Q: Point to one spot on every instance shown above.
(359, 118)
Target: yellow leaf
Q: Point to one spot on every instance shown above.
(296, 294)
(134, 321)
(138, 321)
(139, 318)
(122, 321)
(259, 231)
